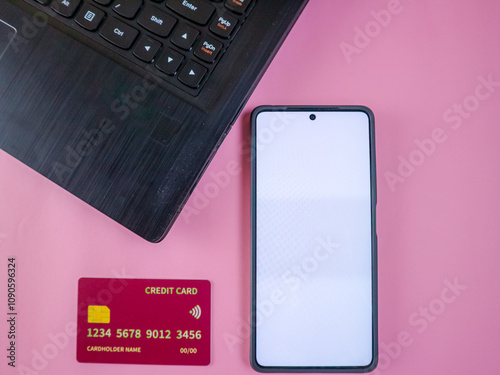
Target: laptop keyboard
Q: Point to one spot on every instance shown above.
(180, 41)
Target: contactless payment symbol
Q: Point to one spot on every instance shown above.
(98, 314)
(196, 311)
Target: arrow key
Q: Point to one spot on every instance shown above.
(146, 48)
(184, 36)
(169, 61)
(192, 74)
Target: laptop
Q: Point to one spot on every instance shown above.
(124, 103)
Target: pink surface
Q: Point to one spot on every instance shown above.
(425, 75)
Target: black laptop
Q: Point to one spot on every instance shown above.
(124, 102)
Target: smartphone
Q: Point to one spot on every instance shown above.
(314, 244)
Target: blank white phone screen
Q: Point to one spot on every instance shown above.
(313, 239)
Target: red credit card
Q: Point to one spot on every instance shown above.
(140, 321)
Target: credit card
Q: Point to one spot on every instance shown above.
(141, 321)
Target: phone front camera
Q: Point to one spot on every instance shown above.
(312, 117)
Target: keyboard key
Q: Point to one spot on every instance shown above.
(127, 8)
(238, 6)
(192, 74)
(208, 48)
(169, 61)
(146, 48)
(65, 8)
(223, 25)
(198, 11)
(184, 36)
(103, 2)
(118, 33)
(156, 21)
(89, 17)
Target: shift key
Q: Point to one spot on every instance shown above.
(118, 33)
(198, 11)
(156, 21)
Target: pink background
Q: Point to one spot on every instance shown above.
(438, 223)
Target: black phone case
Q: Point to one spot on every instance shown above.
(373, 187)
